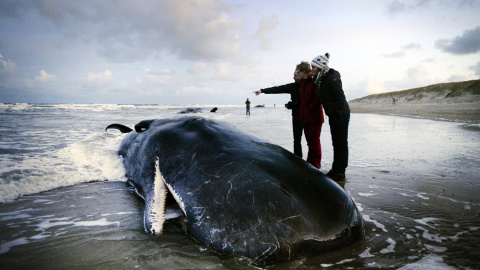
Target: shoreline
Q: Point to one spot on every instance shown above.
(453, 112)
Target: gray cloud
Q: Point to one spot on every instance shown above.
(402, 51)
(476, 69)
(404, 6)
(126, 31)
(468, 42)
(411, 46)
(397, 54)
(457, 78)
(399, 6)
(263, 32)
(8, 75)
(13, 8)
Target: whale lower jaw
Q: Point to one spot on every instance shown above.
(154, 214)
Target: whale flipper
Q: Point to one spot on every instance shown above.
(122, 128)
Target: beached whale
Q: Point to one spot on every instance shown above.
(240, 195)
(191, 110)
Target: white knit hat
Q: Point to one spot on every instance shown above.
(321, 61)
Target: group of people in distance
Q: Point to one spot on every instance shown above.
(318, 87)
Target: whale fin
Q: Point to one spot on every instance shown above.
(154, 214)
(122, 128)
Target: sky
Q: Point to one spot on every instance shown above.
(218, 52)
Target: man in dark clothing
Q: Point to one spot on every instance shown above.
(332, 97)
(247, 104)
(294, 90)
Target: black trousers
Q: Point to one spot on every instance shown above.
(297, 135)
(339, 131)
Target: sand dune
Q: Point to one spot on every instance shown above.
(459, 102)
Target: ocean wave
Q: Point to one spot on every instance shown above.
(94, 158)
(72, 107)
(100, 107)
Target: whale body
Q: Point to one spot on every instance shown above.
(241, 195)
(191, 110)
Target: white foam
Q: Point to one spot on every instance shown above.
(436, 248)
(390, 248)
(49, 226)
(14, 216)
(359, 206)
(92, 223)
(366, 254)
(378, 224)
(426, 221)
(366, 194)
(43, 201)
(420, 195)
(96, 157)
(429, 236)
(5, 247)
(119, 214)
(14, 106)
(40, 236)
(429, 262)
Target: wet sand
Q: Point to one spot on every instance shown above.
(468, 112)
(415, 181)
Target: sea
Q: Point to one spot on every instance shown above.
(65, 204)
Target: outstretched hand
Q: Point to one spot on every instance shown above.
(258, 92)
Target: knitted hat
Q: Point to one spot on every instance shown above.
(321, 61)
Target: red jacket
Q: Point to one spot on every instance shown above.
(310, 109)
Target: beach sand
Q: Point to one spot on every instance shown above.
(467, 112)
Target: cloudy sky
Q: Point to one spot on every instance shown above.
(219, 52)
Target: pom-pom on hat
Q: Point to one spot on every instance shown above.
(321, 61)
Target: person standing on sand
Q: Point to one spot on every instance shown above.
(248, 106)
(294, 90)
(332, 97)
(310, 114)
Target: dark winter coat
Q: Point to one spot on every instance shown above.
(292, 88)
(311, 108)
(332, 96)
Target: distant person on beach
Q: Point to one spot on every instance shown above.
(294, 104)
(332, 97)
(247, 106)
(393, 101)
(310, 114)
